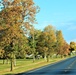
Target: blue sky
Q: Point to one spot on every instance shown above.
(59, 13)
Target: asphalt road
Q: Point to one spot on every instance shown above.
(65, 67)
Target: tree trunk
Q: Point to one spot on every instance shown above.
(48, 58)
(45, 56)
(3, 61)
(7, 61)
(11, 65)
(33, 58)
(14, 60)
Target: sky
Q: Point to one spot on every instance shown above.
(59, 13)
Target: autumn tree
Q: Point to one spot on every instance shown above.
(14, 15)
(66, 50)
(50, 39)
(60, 43)
(47, 41)
(72, 46)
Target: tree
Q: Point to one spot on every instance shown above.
(14, 15)
(33, 39)
(72, 46)
(66, 50)
(41, 45)
(50, 39)
(47, 41)
(60, 43)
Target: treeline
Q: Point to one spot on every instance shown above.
(36, 42)
(18, 37)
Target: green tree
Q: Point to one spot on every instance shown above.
(33, 39)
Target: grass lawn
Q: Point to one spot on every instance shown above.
(24, 65)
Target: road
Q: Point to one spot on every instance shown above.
(65, 67)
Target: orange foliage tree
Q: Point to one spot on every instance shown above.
(13, 17)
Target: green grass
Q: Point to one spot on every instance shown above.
(24, 65)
